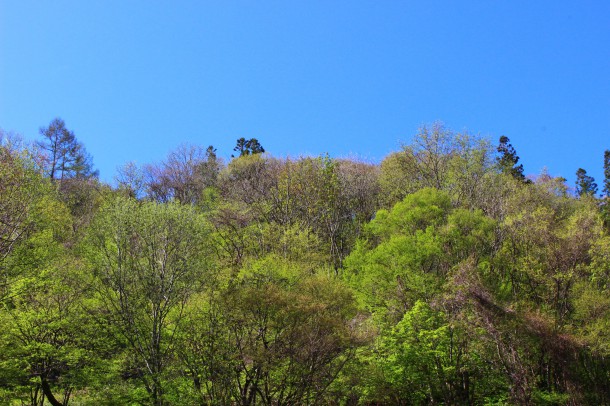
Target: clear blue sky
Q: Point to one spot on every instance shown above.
(134, 79)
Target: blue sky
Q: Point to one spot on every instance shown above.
(134, 79)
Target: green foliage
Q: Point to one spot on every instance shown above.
(418, 359)
(45, 341)
(65, 156)
(53, 338)
(148, 259)
(248, 147)
(508, 160)
(440, 276)
(459, 164)
(418, 211)
(275, 334)
(412, 248)
(27, 207)
(585, 184)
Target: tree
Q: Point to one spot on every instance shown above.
(281, 337)
(68, 165)
(46, 341)
(49, 342)
(606, 189)
(66, 157)
(26, 202)
(431, 150)
(425, 359)
(148, 258)
(605, 206)
(17, 198)
(410, 249)
(248, 147)
(130, 180)
(439, 158)
(585, 184)
(183, 176)
(508, 160)
(404, 274)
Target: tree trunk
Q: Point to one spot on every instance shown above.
(46, 389)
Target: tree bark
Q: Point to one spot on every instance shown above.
(46, 389)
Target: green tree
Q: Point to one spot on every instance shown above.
(66, 157)
(426, 358)
(508, 160)
(547, 241)
(21, 191)
(46, 343)
(49, 341)
(289, 332)
(459, 164)
(409, 251)
(585, 184)
(606, 189)
(409, 273)
(149, 258)
(248, 147)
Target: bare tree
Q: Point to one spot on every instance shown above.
(184, 175)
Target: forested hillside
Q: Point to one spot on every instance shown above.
(442, 275)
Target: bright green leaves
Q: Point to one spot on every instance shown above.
(415, 274)
(273, 286)
(277, 334)
(547, 249)
(417, 211)
(50, 329)
(149, 258)
(411, 250)
(591, 301)
(292, 331)
(390, 277)
(469, 234)
(44, 327)
(422, 357)
(32, 220)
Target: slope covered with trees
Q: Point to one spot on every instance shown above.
(440, 276)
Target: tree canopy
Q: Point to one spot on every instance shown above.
(441, 275)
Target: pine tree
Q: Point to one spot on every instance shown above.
(66, 157)
(508, 160)
(585, 184)
(606, 189)
(248, 147)
(254, 147)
